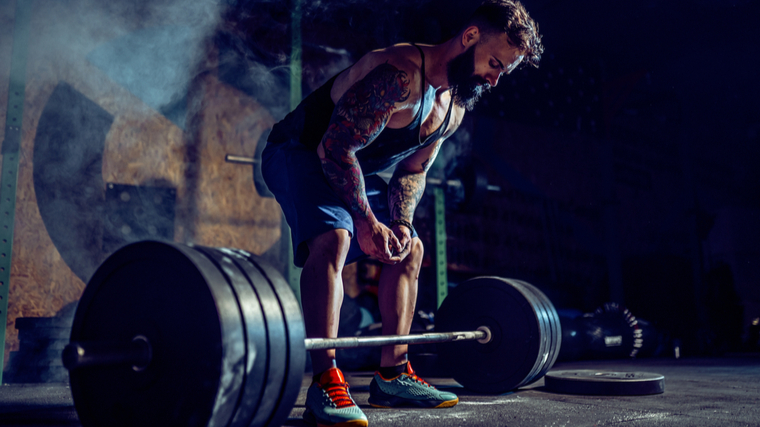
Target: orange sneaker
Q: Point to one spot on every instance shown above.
(329, 403)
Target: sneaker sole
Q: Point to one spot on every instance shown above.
(310, 418)
(356, 423)
(448, 403)
(401, 403)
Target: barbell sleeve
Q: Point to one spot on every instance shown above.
(483, 335)
(231, 158)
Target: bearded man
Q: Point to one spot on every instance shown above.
(394, 107)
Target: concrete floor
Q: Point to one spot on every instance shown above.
(698, 392)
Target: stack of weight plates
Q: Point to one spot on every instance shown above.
(226, 334)
(526, 334)
(38, 359)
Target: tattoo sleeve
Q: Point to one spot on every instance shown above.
(359, 116)
(405, 188)
(404, 192)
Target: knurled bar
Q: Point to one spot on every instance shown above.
(368, 341)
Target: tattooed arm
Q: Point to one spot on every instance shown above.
(407, 185)
(359, 116)
(405, 190)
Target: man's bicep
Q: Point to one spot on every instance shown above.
(365, 108)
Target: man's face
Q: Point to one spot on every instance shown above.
(477, 69)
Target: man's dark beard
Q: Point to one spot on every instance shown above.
(466, 88)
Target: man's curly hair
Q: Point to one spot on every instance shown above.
(508, 16)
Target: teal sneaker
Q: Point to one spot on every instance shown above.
(328, 403)
(407, 389)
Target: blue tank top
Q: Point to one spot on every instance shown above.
(309, 121)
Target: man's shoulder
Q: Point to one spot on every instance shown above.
(403, 52)
(399, 57)
(404, 57)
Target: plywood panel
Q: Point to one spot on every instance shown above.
(218, 207)
(228, 210)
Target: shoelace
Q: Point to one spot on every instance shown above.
(338, 393)
(420, 380)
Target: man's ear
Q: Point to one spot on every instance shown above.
(470, 36)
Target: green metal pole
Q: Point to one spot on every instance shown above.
(441, 263)
(293, 273)
(295, 56)
(10, 151)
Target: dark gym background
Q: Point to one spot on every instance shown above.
(628, 162)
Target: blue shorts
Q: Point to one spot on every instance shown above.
(294, 175)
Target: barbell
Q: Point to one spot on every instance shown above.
(466, 185)
(171, 334)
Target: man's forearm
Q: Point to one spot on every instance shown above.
(345, 177)
(405, 190)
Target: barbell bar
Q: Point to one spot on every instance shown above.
(173, 334)
(138, 352)
(481, 335)
(454, 183)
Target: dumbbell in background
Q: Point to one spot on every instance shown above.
(609, 332)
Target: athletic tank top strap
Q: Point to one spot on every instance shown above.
(417, 122)
(441, 129)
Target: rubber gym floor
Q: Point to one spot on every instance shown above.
(698, 392)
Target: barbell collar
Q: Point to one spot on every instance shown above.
(482, 335)
(137, 353)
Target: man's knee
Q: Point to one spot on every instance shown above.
(331, 246)
(416, 252)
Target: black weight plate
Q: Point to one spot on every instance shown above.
(179, 300)
(604, 383)
(557, 344)
(255, 330)
(277, 345)
(547, 338)
(295, 356)
(554, 334)
(544, 332)
(515, 350)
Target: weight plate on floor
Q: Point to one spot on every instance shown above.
(181, 303)
(605, 383)
(294, 357)
(518, 347)
(256, 344)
